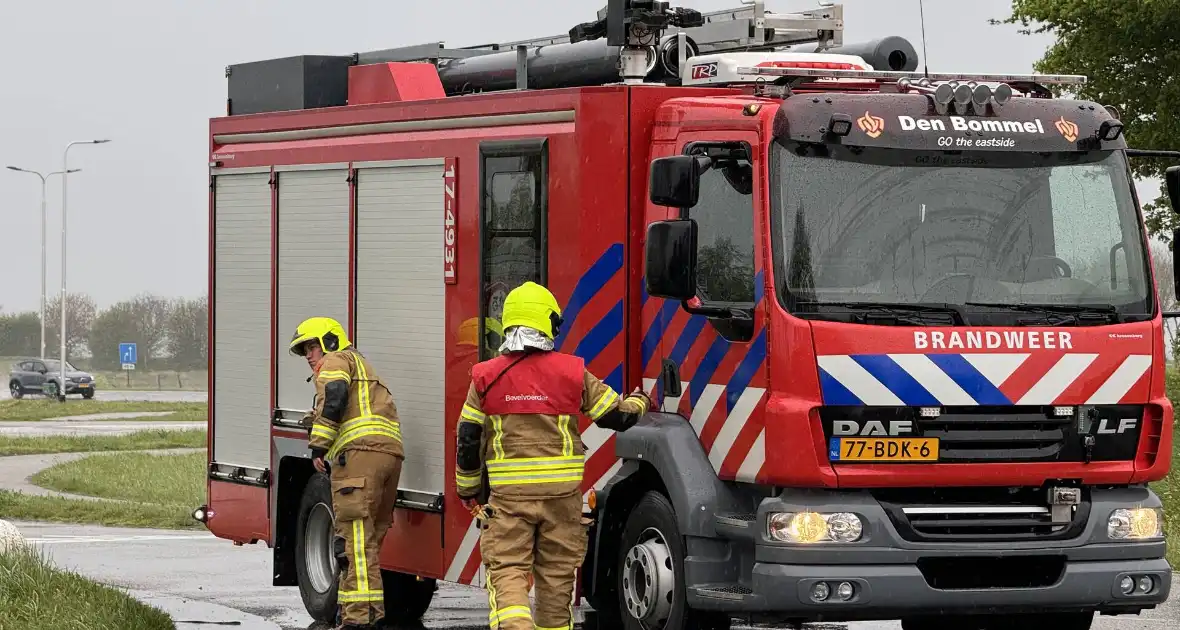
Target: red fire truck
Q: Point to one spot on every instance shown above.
(902, 327)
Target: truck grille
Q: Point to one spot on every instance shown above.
(983, 434)
(981, 515)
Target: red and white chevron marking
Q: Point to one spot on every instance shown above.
(734, 442)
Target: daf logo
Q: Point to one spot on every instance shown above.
(872, 427)
(1125, 424)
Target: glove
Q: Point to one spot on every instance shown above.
(643, 394)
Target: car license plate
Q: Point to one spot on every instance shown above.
(83, 385)
(890, 449)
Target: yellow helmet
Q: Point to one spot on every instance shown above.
(326, 330)
(532, 305)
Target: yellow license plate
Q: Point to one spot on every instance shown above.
(888, 449)
(83, 385)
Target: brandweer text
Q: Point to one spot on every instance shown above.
(1033, 339)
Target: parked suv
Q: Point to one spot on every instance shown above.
(37, 376)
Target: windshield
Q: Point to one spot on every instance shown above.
(53, 365)
(986, 236)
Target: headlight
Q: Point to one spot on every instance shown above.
(813, 527)
(1135, 524)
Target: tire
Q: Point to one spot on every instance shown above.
(16, 390)
(315, 566)
(1033, 621)
(407, 598)
(652, 538)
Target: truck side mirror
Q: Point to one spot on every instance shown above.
(676, 180)
(1172, 178)
(671, 257)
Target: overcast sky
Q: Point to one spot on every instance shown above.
(150, 74)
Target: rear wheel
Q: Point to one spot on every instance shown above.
(315, 564)
(15, 389)
(407, 597)
(651, 572)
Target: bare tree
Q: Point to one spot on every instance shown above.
(80, 313)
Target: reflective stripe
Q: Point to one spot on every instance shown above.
(518, 463)
(565, 627)
(360, 563)
(366, 404)
(467, 481)
(357, 596)
(498, 436)
(494, 621)
(326, 432)
(510, 612)
(567, 439)
(474, 415)
(604, 403)
(535, 470)
(334, 375)
(364, 426)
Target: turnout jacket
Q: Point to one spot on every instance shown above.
(353, 408)
(520, 422)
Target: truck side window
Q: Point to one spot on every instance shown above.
(513, 203)
(725, 233)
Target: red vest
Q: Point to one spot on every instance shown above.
(544, 382)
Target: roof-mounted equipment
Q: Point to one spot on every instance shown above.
(634, 41)
(962, 91)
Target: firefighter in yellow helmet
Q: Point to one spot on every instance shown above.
(355, 437)
(520, 421)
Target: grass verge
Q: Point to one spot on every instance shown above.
(41, 409)
(138, 441)
(22, 507)
(35, 595)
(162, 480)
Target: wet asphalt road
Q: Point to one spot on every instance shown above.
(200, 567)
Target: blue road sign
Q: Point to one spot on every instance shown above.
(127, 353)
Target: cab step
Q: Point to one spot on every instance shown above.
(736, 526)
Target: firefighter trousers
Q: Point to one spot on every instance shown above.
(540, 538)
(364, 489)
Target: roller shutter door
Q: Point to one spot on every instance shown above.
(313, 268)
(400, 305)
(241, 303)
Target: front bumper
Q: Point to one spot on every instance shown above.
(79, 388)
(894, 577)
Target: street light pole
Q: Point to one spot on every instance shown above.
(43, 236)
(61, 383)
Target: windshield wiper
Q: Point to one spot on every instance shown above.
(901, 311)
(1078, 313)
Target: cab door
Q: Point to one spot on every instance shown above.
(711, 370)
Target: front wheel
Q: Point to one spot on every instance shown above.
(407, 597)
(651, 572)
(315, 564)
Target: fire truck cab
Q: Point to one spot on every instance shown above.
(901, 328)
